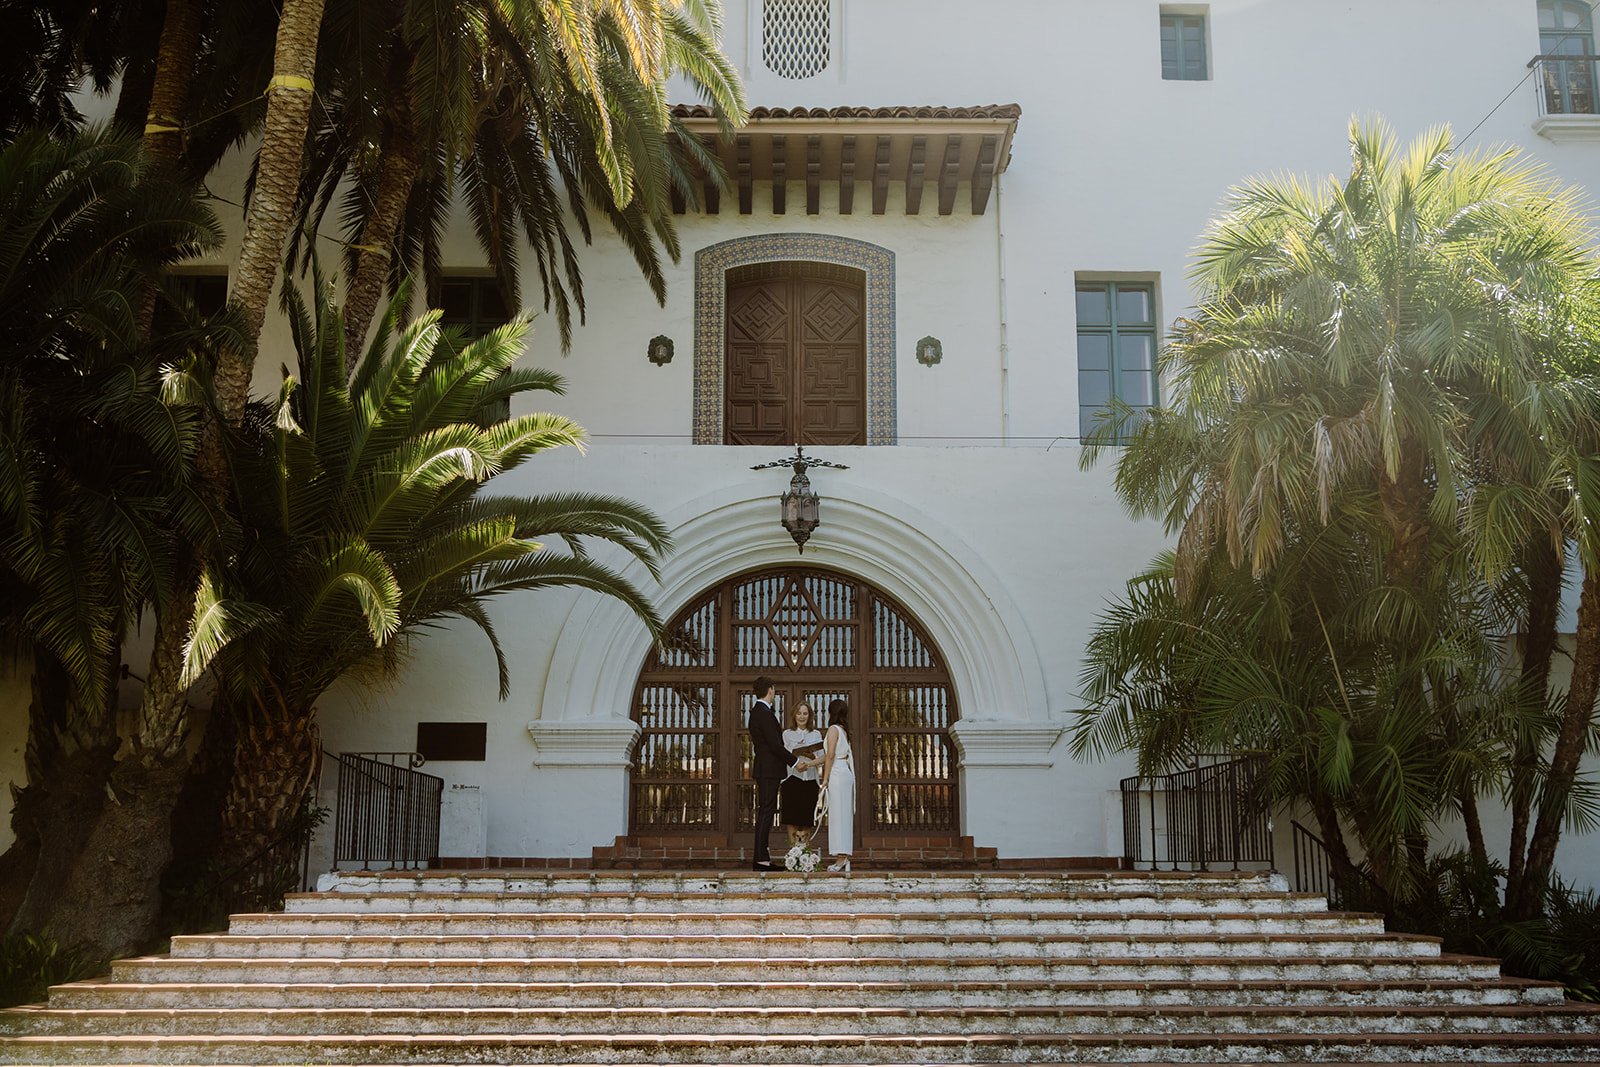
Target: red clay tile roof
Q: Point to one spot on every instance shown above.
(983, 111)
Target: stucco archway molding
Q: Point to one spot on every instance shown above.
(868, 534)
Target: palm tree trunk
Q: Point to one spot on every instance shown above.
(111, 898)
(375, 251)
(71, 750)
(1404, 500)
(1538, 649)
(1571, 740)
(1346, 877)
(174, 75)
(275, 763)
(277, 186)
(1469, 817)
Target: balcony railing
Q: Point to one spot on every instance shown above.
(387, 811)
(1205, 817)
(1566, 84)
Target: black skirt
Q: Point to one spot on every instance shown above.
(797, 802)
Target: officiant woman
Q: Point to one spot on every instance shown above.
(797, 797)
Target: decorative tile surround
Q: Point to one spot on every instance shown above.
(711, 266)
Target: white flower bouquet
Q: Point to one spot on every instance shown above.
(802, 858)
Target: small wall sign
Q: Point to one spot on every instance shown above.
(929, 351)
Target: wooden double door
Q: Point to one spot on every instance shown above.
(796, 359)
(823, 637)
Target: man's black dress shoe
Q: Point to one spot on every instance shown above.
(764, 867)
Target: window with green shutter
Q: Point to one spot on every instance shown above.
(1116, 348)
(1183, 48)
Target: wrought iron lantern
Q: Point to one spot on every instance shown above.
(800, 508)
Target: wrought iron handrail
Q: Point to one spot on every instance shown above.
(1205, 816)
(1564, 57)
(385, 812)
(1566, 84)
(1314, 871)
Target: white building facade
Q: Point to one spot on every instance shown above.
(1020, 182)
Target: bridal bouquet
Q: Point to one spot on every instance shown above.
(802, 858)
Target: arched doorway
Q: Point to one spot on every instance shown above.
(823, 636)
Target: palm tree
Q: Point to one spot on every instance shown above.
(1289, 666)
(368, 521)
(534, 94)
(1381, 348)
(194, 615)
(98, 493)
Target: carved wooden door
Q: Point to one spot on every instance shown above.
(796, 355)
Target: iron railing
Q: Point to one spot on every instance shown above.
(1313, 867)
(386, 811)
(1207, 816)
(1566, 84)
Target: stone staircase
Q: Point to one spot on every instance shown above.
(876, 852)
(897, 968)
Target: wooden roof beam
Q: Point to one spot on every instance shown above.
(680, 204)
(949, 174)
(813, 174)
(916, 164)
(780, 174)
(847, 175)
(744, 173)
(710, 190)
(983, 174)
(880, 178)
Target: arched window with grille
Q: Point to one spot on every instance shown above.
(822, 636)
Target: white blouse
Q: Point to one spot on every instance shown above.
(793, 739)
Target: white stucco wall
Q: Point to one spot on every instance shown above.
(1113, 171)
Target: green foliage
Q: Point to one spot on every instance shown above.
(97, 490)
(1459, 900)
(1377, 414)
(538, 115)
(366, 516)
(30, 965)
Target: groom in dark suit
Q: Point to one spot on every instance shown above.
(770, 761)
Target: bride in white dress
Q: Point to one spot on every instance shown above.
(839, 783)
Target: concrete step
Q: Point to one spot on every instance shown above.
(1114, 945)
(807, 1047)
(100, 995)
(753, 922)
(724, 1020)
(797, 899)
(1168, 967)
(1054, 883)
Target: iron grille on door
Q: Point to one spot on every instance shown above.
(822, 636)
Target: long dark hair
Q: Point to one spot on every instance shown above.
(839, 715)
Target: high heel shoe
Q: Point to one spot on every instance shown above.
(843, 866)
